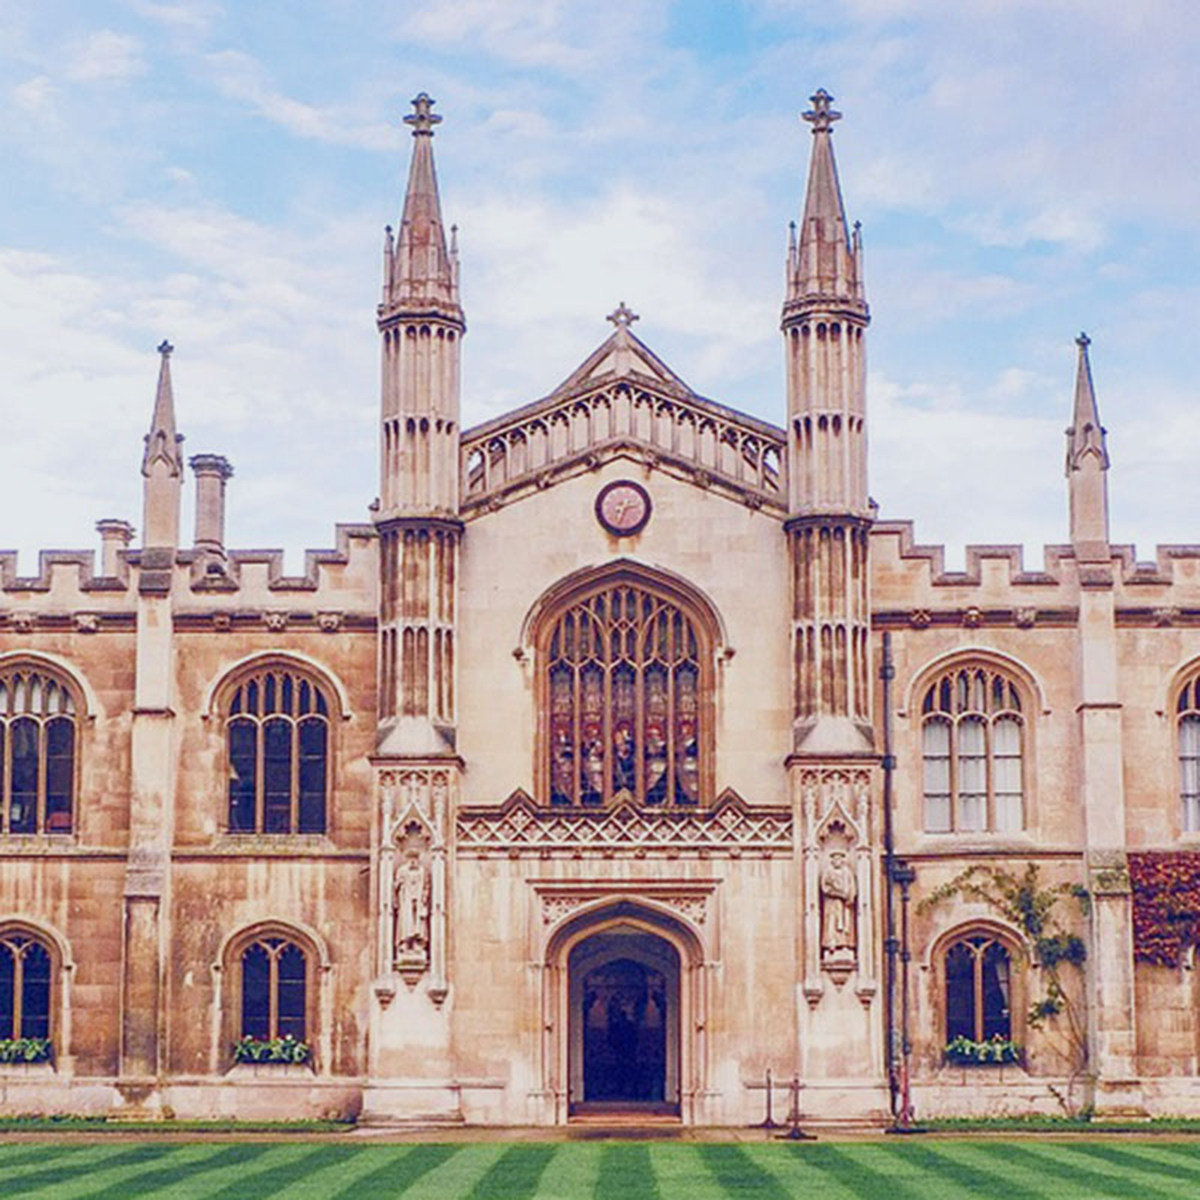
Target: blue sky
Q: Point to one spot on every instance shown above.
(220, 174)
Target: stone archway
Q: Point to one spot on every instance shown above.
(625, 1006)
(623, 1023)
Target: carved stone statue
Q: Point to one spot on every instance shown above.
(839, 910)
(412, 907)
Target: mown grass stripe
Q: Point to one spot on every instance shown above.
(803, 1170)
(737, 1174)
(854, 1167)
(281, 1167)
(515, 1175)
(1122, 1160)
(1047, 1158)
(107, 1158)
(401, 1167)
(16, 1158)
(454, 1178)
(571, 1174)
(191, 1163)
(977, 1178)
(678, 1171)
(625, 1170)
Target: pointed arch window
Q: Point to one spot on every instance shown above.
(626, 677)
(979, 983)
(274, 990)
(277, 732)
(25, 979)
(1187, 715)
(38, 735)
(973, 751)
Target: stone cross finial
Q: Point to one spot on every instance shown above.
(422, 118)
(165, 347)
(622, 317)
(821, 116)
(1083, 341)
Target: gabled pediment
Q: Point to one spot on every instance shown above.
(623, 401)
(621, 356)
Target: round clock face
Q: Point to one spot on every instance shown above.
(623, 507)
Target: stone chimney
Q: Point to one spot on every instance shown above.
(115, 536)
(211, 471)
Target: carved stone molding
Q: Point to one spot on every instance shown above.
(275, 621)
(330, 622)
(520, 827)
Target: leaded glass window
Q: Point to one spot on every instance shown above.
(274, 989)
(37, 751)
(24, 987)
(278, 743)
(978, 989)
(626, 679)
(1188, 715)
(973, 735)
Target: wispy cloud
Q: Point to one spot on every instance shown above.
(104, 57)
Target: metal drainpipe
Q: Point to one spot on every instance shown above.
(887, 673)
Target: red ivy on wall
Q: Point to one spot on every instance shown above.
(1166, 904)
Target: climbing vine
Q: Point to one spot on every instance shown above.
(1166, 904)
(1023, 900)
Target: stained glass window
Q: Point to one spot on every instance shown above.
(625, 677)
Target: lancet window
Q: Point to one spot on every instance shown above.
(37, 751)
(278, 745)
(25, 975)
(1187, 709)
(978, 989)
(973, 743)
(274, 990)
(626, 686)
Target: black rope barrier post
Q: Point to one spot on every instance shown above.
(769, 1122)
(794, 1132)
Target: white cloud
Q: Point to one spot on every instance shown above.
(104, 57)
(35, 96)
(241, 77)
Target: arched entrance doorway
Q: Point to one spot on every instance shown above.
(623, 985)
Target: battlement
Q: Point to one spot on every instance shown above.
(69, 579)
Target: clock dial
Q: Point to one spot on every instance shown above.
(623, 507)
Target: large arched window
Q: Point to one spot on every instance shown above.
(973, 747)
(626, 675)
(274, 990)
(277, 731)
(979, 1002)
(37, 750)
(1187, 709)
(24, 986)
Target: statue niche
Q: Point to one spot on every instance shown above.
(411, 902)
(838, 887)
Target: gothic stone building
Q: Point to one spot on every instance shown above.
(566, 782)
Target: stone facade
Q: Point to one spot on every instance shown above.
(571, 781)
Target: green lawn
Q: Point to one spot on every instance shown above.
(899, 1170)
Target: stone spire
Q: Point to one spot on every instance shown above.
(827, 262)
(824, 324)
(421, 274)
(162, 464)
(1087, 466)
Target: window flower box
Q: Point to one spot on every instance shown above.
(23, 1050)
(285, 1051)
(996, 1051)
